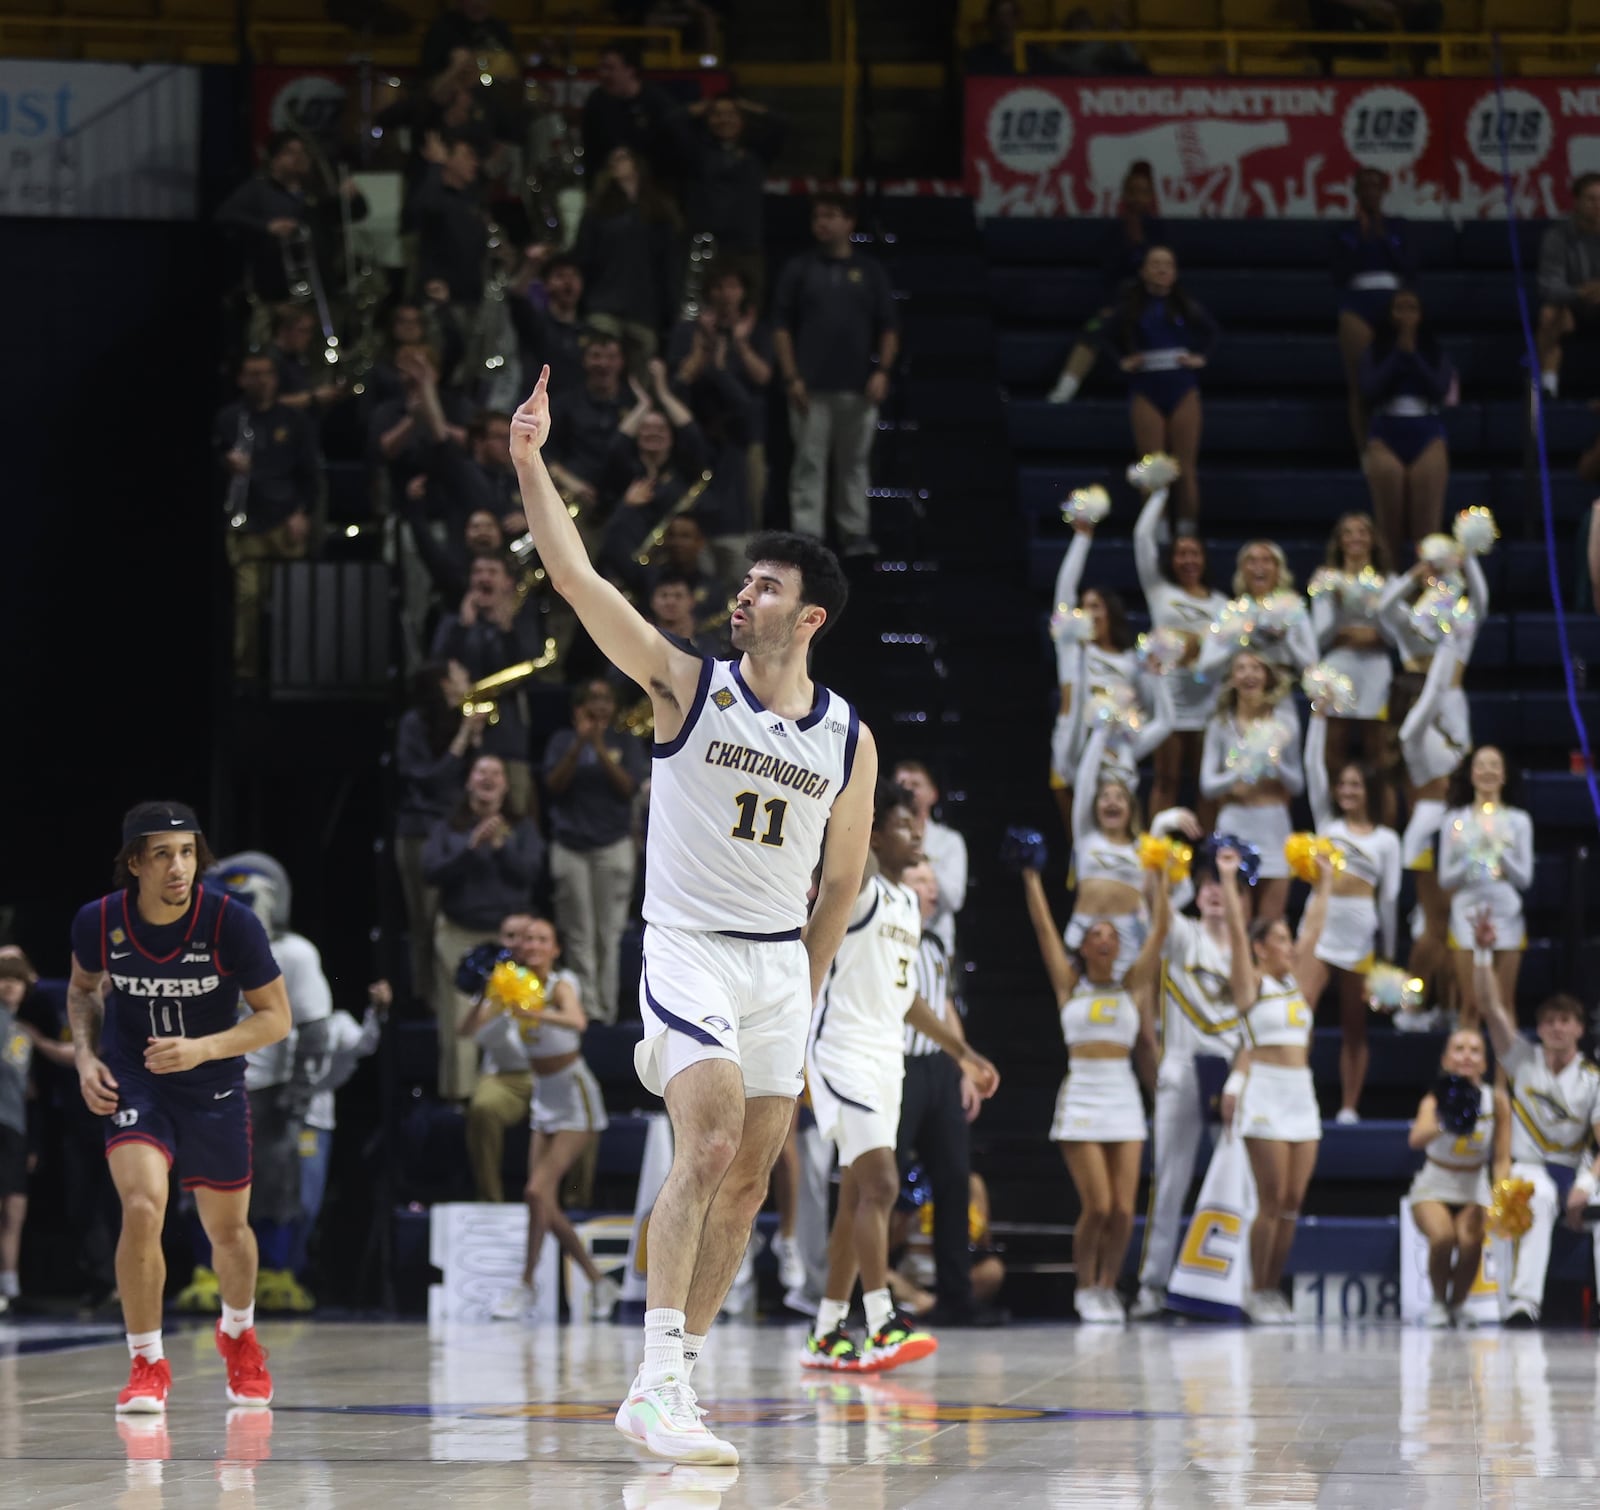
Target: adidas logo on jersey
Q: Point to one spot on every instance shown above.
(779, 729)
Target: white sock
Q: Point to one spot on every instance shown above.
(146, 1345)
(237, 1323)
(694, 1343)
(663, 1348)
(879, 1309)
(830, 1317)
(1066, 388)
(9, 1287)
(1550, 382)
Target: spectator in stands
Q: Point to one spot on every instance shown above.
(625, 247)
(1555, 1092)
(490, 631)
(568, 1115)
(683, 549)
(1109, 1023)
(1406, 378)
(1569, 279)
(268, 213)
(727, 146)
(723, 359)
(584, 420)
(1277, 1111)
(996, 54)
(1103, 59)
(452, 235)
(942, 847)
(1252, 765)
(1360, 926)
(1137, 229)
(406, 325)
(1346, 593)
(649, 475)
(485, 859)
(591, 774)
(434, 745)
(272, 468)
(836, 340)
(462, 481)
(624, 110)
(672, 612)
(504, 1092)
(468, 29)
(398, 439)
(1485, 864)
(1451, 1194)
(1372, 260)
(302, 383)
(549, 331)
(448, 561)
(1178, 592)
(1271, 620)
(1163, 337)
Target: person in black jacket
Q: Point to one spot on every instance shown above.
(452, 234)
(625, 247)
(623, 110)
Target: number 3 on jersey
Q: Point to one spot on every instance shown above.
(745, 828)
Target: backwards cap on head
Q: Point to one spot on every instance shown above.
(159, 818)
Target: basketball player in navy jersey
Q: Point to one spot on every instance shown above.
(754, 763)
(160, 1056)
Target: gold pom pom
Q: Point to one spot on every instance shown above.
(515, 988)
(1511, 1213)
(1302, 851)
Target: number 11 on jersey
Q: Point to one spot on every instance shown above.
(745, 828)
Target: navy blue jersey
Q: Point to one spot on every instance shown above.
(175, 980)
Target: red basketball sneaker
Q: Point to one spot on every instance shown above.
(147, 1388)
(249, 1383)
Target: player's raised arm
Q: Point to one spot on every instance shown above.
(622, 634)
(844, 861)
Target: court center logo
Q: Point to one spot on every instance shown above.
(1522, 124)
(1386, 128)
(1029, 130)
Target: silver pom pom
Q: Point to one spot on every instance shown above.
(1157, 470)
(1162, 650)
(1440, 552)
(1088, 505)
(1475, 530)
(1071, 626)
(1332, 693)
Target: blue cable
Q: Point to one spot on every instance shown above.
(1539, 439)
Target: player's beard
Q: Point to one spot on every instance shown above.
(775, 639)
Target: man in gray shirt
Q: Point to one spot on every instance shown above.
(836, 341)
(590, 775)
(1569, 278)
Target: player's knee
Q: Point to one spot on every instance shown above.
(143, 1213)
(878, 1189)
(228, 1232)
(710, 1152)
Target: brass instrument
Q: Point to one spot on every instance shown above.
(691, 497)
(482, 698)
(492, 346)
(533, 574)
(702, 253)
(236, 505)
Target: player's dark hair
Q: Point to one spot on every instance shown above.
(1116, 616)
(1461, 793)
(822, 580)
(122, 876)
(1562, 1004)
(888, 798)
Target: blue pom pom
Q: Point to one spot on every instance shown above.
(1249, 856)
(1459, 1104)
(915, 1191)
(1023, 849)
(475, 966)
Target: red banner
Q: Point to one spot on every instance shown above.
(1236, 147)
(317, 100)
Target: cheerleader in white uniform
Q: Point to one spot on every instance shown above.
(1276, 1111)
(1099, 1120)
(568, 1115)
(1351, 636)
(1102, 665)
(1362, 904)
(1180, 597)
(1285, 638)
(1252, 764)
(1435, 736)
(1485, 864)
(1450, 1195)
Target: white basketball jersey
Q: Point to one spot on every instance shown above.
(1551, 1115)
(1470, 1150)
(873, 980)
(739, 803)
(1198, 1014)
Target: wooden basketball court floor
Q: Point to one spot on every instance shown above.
(1044, 1417)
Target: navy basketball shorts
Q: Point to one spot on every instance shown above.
(202, 1124)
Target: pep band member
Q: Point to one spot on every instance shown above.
(1277, 1102)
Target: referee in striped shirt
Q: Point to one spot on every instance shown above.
(936, 1106)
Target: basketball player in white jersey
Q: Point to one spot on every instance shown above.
(1555, 1110)
(855, 1065)
(754, 765)
(1198, 1020)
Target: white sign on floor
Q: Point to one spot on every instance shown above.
(1483, 1304)
(479, 1246)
